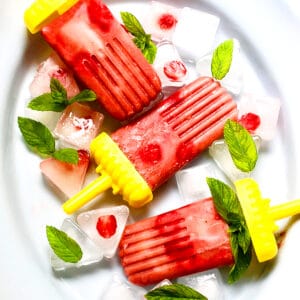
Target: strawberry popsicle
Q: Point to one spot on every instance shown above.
(103, 56)
(183, 241)
(142, 155)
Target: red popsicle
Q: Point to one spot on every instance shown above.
(103, 56)
(186, 240)
(158, 144)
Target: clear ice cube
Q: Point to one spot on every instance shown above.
(259, 114)
(88, 222)
(121, 289)
(201, 26)
(91, 253)
(220, 153)
(160, 21)
(170, 67)
(233, 80)
(192, 183)
(208, 283)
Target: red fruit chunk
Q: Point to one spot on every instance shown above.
(250, 121)
(175, 70)
(107, 226)
(167, 21)
(66, 178)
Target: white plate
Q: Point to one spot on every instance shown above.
(269, 32)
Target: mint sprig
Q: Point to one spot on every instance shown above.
(63, 246)
(241, 146)
(222, 59)
(228, 206)
(40, 140)
(141, 39)
(57, 99)
(174, 291)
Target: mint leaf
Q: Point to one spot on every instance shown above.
(84, 96)
(37, 136)
(241, 146)
(57, 100)
(132, 24)
(63, 246)
(141, 39)
(67, 155)
(225, 200)
(221, 60)
(229, 208)
(45, 102)
(174, 291)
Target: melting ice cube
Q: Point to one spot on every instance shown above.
(259, 115)
(105, 226)
(160, 21)
(78, 125)
(208, 283)
(233, 80)
(91, 253)
(192, 184)
(120, 289)
(169, 67)
(194, 33)
(220, 153)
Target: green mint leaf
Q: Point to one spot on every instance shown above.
(150, 52)
(84, 96)
(45, 102)
(37, 136)
(242, 262)
(58, 92)
(63, 246)
(141, 39)
(241, 146)
(225, 199)
(221, 59)
(244, 239)
(132, 24)
(174, 291)
(67, 155)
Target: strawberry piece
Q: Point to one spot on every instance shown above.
(78, 125)
(107, 226)
(53, 67)
(66, 178)
(250, 121)
(175, 70)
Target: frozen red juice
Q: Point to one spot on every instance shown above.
(183, 241)
(139, 157)
(103, 56)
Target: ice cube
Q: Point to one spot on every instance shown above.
(169, 67)
(192, 183)
(119, 288)
(160, 21)
(194, 33)
(91, 253)
(259, 114)
(208, 283)
(233, 80)
(220, 153)
(77, 126)
(105, 226)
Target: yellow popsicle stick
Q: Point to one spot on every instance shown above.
(260, 217)
(41, 12)
(116, 172)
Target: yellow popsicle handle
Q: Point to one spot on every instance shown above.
(96, 187)
(116, 172)
(285, 210)
(43, 11)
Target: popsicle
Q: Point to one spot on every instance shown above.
(142, 155)
(183, 241)
(100, 52)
